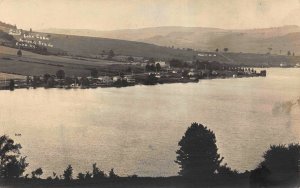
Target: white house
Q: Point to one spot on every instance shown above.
(161, 63)
(105, 79)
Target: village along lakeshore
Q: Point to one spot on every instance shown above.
(155, 72)
(169, 76)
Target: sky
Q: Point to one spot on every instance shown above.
(132, 14)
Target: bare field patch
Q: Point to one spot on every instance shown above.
(6, 76)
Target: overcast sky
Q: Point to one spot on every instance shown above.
(124, 14)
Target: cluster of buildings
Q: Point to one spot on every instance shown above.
(76, 82)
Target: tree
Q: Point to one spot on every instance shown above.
(152, 67)
(112, 174)
(11, 84)
(15, 168)
(111, 54)
(198, 154)
(176, 63)
(97, 173)
(282, 161)
(80, 176)
(158, 67)
(128, 69)
(84, 82)
(11, 164)
(19, 53)
(151, 80)
(130, 58)
(88, 175)
(50, 82)
(46, 77)
(68, 81)
(151, 60)
(224, 170)
(259, 176)
(68, 173)
(37, 173)
(94, 73)
(217, 50)
(60, 74)
(225, 49)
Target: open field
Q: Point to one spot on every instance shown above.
(93, 47)
(35, 64)
(5, 76)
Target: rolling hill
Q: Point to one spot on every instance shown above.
(280, 39)
(85, 52)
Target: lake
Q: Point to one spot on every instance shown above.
(135, 130)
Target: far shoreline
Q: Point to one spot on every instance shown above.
(120, 87)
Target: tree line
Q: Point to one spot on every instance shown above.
(197, 157)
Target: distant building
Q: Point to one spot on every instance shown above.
(117, 78)
(14, 32)
(161, 63)
(130, 79)
(105, 80)
(283, 64)
(192, 73)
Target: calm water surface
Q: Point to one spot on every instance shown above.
(135, 130)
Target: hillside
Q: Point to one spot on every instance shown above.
(206, 39)
(92, 46)
(89, 51)
(36, 64)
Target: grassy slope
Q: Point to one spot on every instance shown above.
(255, 59)
(91, 46)
(35, 64)
(248, 41)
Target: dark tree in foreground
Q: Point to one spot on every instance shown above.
(80, 176)
(112, 174)
(68, 173)
(97, 173)
(282, 163)
(198, 153)
(37, 173)
(11, 164)
(259, 176)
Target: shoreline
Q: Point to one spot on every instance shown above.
(158, 82)
(6, 88)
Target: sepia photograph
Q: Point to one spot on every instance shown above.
(149, 93)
